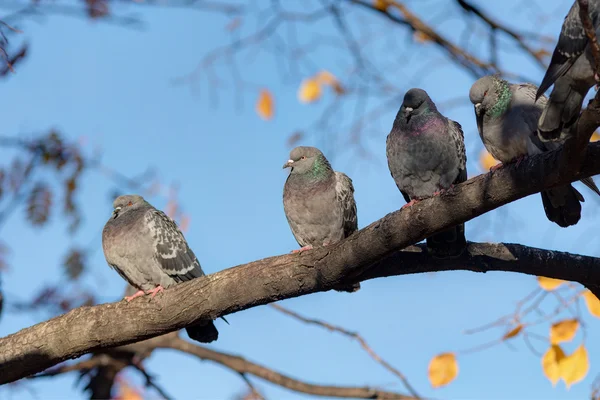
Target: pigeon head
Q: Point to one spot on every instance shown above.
(490, 95)
(305, 159)
(416, 102)
(125, 203)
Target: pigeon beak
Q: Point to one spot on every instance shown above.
(478, 108)
(407, 111)
(289, 163)
(116, 212)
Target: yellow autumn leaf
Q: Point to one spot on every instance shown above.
(381, 4)
(310, 90)
(592, 303)
(563, 331)
(486, 160)
(264, 105)
(595, 137)
(575, 367)
(513, 332)
(551, 363)
(549, 284)
(327, 78)
(443, 369)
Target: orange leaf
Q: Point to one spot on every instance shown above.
(487, 161)
(551, 363)
(264, 105)
(595, 137)
(381, 4)
(443, 369)
(563, 331)
(310, 90)
(575, 367)
(513, 332)
(327, 78)
(549, 284)
(592, 303)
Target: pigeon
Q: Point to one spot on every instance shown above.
(571, 71)
(318, 201)
(507, 116)
(149, 251)
(426, 156)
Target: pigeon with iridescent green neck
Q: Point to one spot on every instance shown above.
(318, 201)
(571, 70)
(426, 156)
(507, 116)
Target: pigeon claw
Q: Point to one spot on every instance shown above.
(133, 296)
(410, 203)
(496, 167)
(519, 159)
(156, 290)
(300, 250)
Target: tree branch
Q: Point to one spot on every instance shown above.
(369, 253)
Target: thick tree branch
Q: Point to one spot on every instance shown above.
(369, 253)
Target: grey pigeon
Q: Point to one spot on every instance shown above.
(318, 201)
(149, 251)
(426, 156)
(507, 116)
(572, 73)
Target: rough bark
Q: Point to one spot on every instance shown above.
(367, 254)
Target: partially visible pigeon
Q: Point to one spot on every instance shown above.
(149, 251)
(507, 116)
(426, 156)
(318, 201)
(572, 72)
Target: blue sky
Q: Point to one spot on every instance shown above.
(114, 86)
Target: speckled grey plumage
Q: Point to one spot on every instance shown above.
(147, 249)
(507, 116)
(318, 202)
(426, 153)
(572, 73)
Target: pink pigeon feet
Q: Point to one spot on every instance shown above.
(156, 290)
(410, 203)
(496, 167)
(519, 159)
(300, 250)
(133, 296)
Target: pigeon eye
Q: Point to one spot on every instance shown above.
(303, 158)
(485, 93)
(129, 204)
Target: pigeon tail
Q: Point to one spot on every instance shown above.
(562, 205)
(203, 332)
(450, 243)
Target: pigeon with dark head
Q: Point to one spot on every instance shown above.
(318, 202)
(149, 251)
(571, 71)
(507, 116)
(426, 156)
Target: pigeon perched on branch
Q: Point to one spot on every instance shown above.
(507, 116)
(149, 251)
(426, 156)
(572, 71)
(318, 201)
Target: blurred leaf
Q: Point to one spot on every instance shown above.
(513, 332)
(381, 4)
(38, 204)
(592, 303)
(127, 392)
(74, 263)
(233, 24)
(486, 160)
(551, 363)
(310, 90)
(295, 138)
(595, 137)
(264, 105)
(97, 8)
(563, 331)
(327, 78)
(443, 369)
(185, 223)
(549, 284)
(575, 367)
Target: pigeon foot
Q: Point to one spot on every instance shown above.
(300, 250)
(410, 203)
(133, 296)
(496, 167)
(519, 159)
(156, 290)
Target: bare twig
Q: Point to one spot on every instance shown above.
(590, 32)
